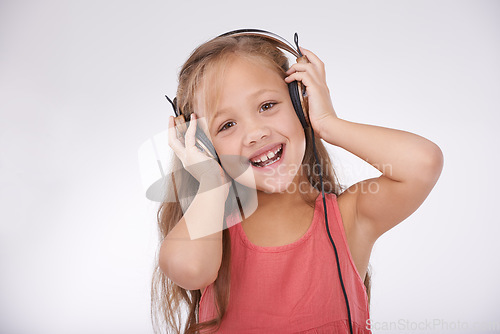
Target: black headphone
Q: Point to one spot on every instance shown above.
(299, 99)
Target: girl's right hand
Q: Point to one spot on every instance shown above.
(196, 162)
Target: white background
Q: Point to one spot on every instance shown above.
(81, 88)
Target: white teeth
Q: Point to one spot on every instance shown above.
(269, 155)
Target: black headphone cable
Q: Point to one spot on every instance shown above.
(328, 229)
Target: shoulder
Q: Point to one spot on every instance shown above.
(347, 207)
(358, 235)
(358, 240)
(356, 232)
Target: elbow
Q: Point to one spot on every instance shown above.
(436, 158)
(432, 163)
(189, 278)
(185, 274)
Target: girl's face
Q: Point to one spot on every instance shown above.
(255, 124)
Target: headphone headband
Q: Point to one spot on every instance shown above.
(275, 39)
(272, 37)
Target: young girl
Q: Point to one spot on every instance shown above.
(274, 271)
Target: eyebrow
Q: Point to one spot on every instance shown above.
(223, 111)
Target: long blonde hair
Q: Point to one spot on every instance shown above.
(206, 65)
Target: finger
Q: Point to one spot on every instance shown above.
(300, 67)
(191, 132)
(173, 141)
(304, 77)
(312, 57)
(313, 70)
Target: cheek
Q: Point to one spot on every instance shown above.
(292, 120)
(293, 126)
(225, 146)
(233, 163)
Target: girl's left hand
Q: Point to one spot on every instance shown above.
(313, 76)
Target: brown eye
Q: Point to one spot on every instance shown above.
(267, 106)
(226, 126)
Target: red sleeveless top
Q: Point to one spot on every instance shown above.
(293, 288)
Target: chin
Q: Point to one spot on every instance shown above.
(276, 186)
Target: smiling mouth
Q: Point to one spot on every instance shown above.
(268, 158)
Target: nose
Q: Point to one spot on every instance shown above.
(256, 131)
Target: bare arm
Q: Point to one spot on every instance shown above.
(191, 253)
(410, 164)
(399, 155)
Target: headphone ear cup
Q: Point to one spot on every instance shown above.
(201, 139)
(205, 144)
(300, 102)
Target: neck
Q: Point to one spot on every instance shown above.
(280, 217)
(291, 198)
